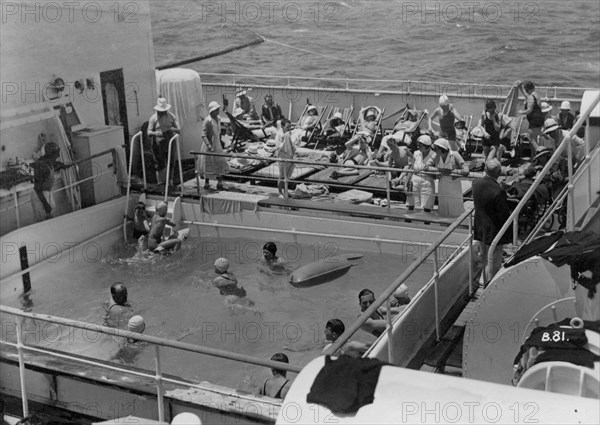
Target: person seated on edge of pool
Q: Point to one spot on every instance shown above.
(278, 385)
(270, 258)
(333, 330)
(118, 310)
(155, 237)
(357, 152)
(377, 323)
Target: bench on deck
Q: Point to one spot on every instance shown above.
(370, 211)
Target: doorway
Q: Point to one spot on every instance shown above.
(114, 100)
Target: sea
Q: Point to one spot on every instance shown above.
(553, 43)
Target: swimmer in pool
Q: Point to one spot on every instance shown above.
(377, 323)
(155, 237)
(141, 227)
(333, 330)
(118, 310)
(278, 385)
(228, 285)
(130, 349)
(271, 260)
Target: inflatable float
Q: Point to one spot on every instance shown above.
(322, 271)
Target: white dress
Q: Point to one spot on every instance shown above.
(450, 196)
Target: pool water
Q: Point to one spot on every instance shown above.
(176, 297)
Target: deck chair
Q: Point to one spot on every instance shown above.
(346, 117)
(362, 119)
(242, 134)
(320, 112)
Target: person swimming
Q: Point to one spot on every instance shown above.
(228, 285)
(157, 229)
(118, 311)
(271, 260)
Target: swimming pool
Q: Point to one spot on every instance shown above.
(176, 297)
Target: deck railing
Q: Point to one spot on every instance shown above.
(157, 342)
(415, 87)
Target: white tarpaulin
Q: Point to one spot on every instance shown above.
(183, 90)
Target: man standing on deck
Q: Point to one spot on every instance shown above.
(491, 212)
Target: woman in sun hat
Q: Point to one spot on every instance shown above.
(447, 116)
(553, 130)
(420, 187)
(307, 123)
(207, 165)
(446, 162)
(565, 118)
(162, 126)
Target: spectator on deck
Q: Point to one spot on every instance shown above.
(368, 121)
(278, 385)
(207, 165)
(496, 131)
(491, 212)
(565, 118)
(271, 112)
(44, 178)
(533, 111)
(447, 162)
(334, 127)
(307, 124)
(420, 188)
(393, 155)
(246, 104)
(553, 130)
(118, 311)
(357, 153)
(447, 115)
(162, 126)
(286, 150)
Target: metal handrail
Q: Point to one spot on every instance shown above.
(137, 137)
(347, 80)
(156, 341)
(385, 170)
(566, 144)
(175, 138)
(163, 342)
(386, 294)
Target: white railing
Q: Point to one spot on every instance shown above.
(411, 86)
(174, 139)
(156, 341)
(138, 137)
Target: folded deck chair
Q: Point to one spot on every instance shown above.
(242, 134)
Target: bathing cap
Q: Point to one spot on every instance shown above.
(186, 418)
(444, 100)
(271, 247)
(371, 113)
(136, 324)
(118, 291)
(222, 264)
(401, 292)
(161, 205)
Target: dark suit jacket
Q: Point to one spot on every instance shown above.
(491, 211)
